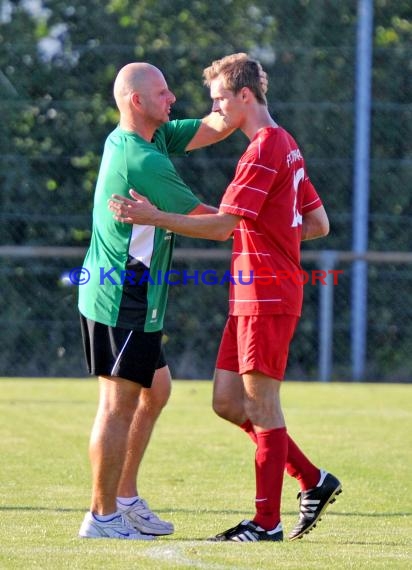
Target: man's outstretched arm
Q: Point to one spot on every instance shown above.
(216, 226)
(212, 130)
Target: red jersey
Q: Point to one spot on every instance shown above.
(271, 191)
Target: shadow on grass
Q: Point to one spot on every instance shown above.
(33, 401)
(381, 514)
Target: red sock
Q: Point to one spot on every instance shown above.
(271, 453)
(297, 464)
(250, 430)
(299, 467)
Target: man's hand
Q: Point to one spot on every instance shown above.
(315, 224)
(216, 226)
(136, 211)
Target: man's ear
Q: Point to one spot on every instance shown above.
(245, 93)
(135, 99)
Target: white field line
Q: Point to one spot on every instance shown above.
(186, 554)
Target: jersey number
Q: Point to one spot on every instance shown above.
(297, 217)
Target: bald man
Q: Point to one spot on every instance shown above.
(122, 305)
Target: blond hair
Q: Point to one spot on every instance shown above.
(239, 70)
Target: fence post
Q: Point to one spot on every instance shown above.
(327, 263)
(361, 186)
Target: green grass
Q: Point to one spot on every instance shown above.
(198, 472)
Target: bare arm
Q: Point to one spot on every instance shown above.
(315, 224)
(202, 209)
(215, 226)
(212, 130)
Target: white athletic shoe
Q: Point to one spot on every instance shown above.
(117, 527)
(139, 516)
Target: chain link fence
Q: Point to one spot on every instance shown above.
(41, 334)
(57, 109)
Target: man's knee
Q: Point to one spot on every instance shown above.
(229, 409)
(118, 396)
(227, 400)
(264, 413)
(154, 399)
(221, 407)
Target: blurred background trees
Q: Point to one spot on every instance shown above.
(58, 60)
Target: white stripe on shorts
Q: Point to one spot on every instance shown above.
(120, 354)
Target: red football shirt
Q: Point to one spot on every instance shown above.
(271, 191)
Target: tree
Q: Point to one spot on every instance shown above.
(57, 66)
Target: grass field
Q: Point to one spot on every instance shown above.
(198, 472)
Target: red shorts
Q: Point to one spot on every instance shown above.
(257, 342)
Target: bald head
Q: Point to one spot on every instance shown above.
(143, 98)
(136, 76)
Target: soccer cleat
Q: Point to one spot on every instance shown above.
(139, 516)
(313, 503)
(248, 531)
(117, 527)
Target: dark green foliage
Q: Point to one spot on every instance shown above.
(57, 108)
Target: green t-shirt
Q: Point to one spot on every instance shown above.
(127, 263)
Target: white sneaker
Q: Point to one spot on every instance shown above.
(117, 527)
(139, 516)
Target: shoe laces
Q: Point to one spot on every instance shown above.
(143, 509)
(119, 521)
(126, 523)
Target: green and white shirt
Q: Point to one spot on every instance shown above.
(127, 263)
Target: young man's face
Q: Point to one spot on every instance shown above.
(227, 104)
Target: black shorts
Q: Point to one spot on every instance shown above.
(124, 353)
